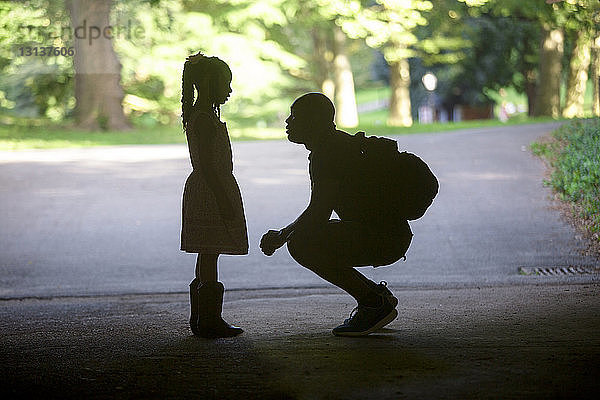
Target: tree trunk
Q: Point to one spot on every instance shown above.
(530, 91)
(346, 114)
(578, 76)
(98, 91)
(547, 101)
(323, 56)
(595, 72)
(400, 111)
(529, 69)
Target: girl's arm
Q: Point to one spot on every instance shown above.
(206, 132)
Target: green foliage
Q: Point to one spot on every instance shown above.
(473, 46)
(574, 154)
(152, 65)
(34, 86)
(385, 24)
(503, 53)
(166, 32)
(442, 39)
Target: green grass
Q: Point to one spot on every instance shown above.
(574, 155)
(39, 137)
(49, 137)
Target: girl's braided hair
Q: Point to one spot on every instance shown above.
(197, 68)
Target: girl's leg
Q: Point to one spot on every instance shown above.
(206, 268)
(209, 301)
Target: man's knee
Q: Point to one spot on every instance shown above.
(321, 249)
(312, 250)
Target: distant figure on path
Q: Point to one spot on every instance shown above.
(354, 176)
(213, 220)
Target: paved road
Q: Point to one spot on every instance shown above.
(521, 342)
(106, 220)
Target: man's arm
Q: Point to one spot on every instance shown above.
(318, 212)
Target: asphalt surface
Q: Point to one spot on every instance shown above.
(524, 342)
(107, 220)
(93, 302)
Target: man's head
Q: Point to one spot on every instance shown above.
(311, 116)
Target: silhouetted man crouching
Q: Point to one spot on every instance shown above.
(366, 233)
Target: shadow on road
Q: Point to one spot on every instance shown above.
(514, 342)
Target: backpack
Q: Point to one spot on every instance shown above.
(400, 182)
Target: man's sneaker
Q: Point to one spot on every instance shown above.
(364, 320)
(382, 290)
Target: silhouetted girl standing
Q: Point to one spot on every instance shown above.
(213, 220)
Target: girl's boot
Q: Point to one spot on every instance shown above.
(210, 305)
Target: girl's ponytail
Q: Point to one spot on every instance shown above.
(187, 92)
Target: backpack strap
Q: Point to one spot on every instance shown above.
(374, 144)
(359, 141)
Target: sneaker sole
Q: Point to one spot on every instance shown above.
(383, 322)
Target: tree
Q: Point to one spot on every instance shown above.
(595, 74)
(561, 22)
(578, 75)
(316, 23)
(98, 90)
(580, 19)
(322, 60)
(389, 25)
(330, 57)
(547, 100)
(345, 99)
(299, 36)
(34, 86)
(543, 94)
(501, 52)
(547, 17)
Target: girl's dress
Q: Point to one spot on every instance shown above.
(204, 229)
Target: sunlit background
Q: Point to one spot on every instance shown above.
(501, 61)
